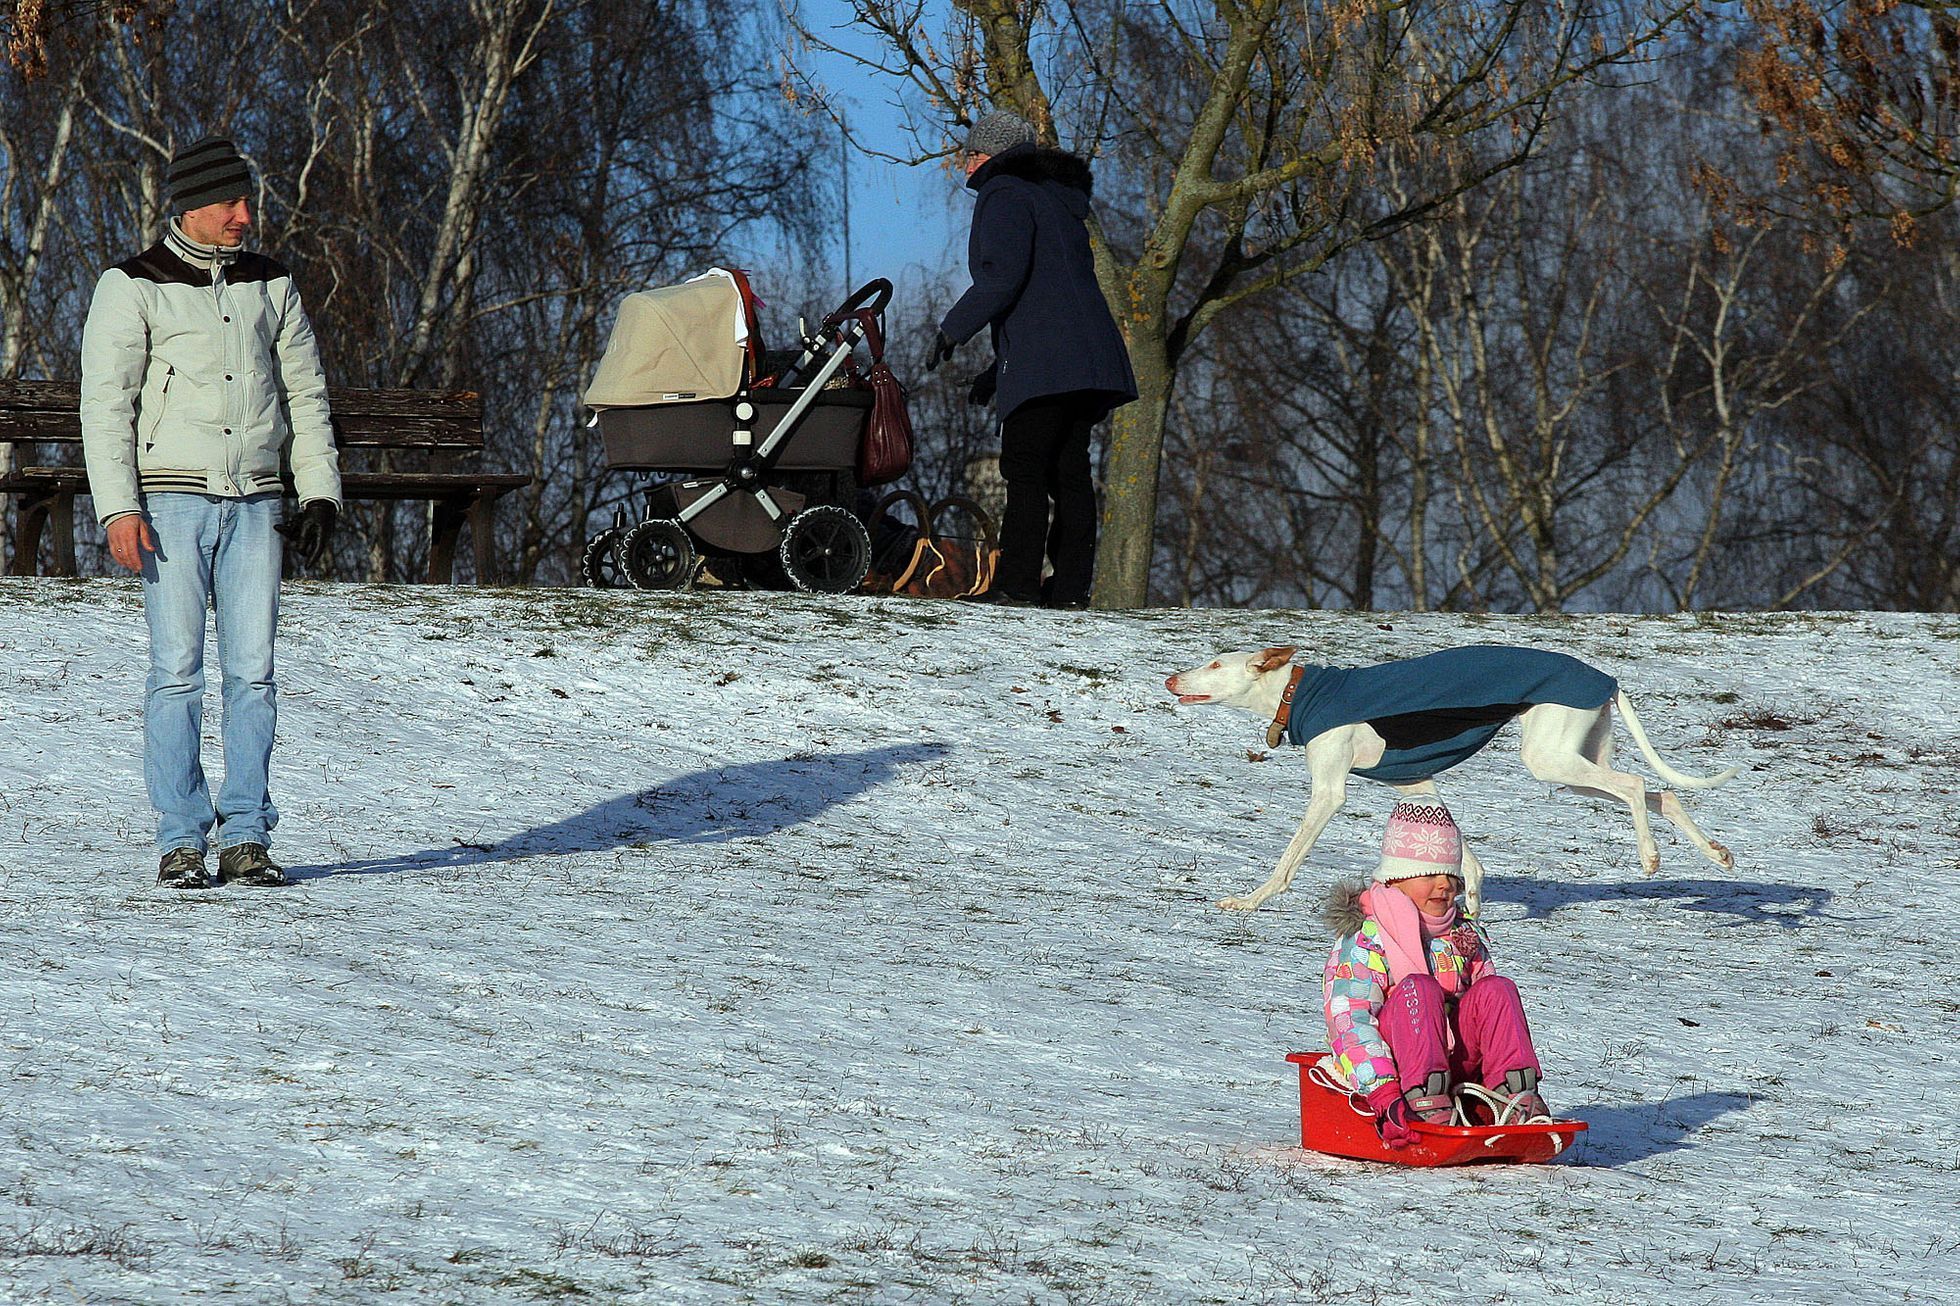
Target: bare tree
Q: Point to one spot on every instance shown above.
(1866, 464)
(1739, 342)
(464, 192)
(1866, 97)
(1249, 132)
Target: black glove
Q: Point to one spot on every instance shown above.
(942, 349)
(980, 391)
(311, 531)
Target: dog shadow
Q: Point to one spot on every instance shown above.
(1791, 906)
(1620, 1135)
(747, 800)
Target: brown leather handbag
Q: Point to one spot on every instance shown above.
(885, 450)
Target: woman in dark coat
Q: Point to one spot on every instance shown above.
(1059, 362)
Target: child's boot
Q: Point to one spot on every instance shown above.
(1431, 1100)
(1521, 1102)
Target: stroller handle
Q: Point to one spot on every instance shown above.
(874, 294)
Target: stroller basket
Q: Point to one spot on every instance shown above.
(695, 437)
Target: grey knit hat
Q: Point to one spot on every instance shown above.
(209, 171)
(999, 132)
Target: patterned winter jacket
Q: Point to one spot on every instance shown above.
(201, 379)
(1355, 982)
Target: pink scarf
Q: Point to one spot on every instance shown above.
(1403, 941)
(1405, 930)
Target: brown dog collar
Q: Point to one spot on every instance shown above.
(1277, 730)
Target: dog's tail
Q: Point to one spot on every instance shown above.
(1679, 779)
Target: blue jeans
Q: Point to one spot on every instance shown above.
(223, 553)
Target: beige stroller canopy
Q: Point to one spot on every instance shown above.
(677, 344)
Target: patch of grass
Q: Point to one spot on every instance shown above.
(115, 1244)
(1762, 719)
(54, 591)
(628, 1244)
(919, 614)
(540, 1285)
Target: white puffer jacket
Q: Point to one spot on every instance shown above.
(201, 380)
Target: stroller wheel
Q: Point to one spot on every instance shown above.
(600, 564)
(657, 555)
(825, 550)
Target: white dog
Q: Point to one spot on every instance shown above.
(1403, 722)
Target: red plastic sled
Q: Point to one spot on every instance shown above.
(1331, 1122)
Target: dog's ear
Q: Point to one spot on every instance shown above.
(1272, 659)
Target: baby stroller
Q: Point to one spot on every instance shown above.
(759, 451)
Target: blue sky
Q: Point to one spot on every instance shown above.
(906, 223)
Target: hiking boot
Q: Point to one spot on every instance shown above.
(250, 864)
(183, 868)
(1431, 1101)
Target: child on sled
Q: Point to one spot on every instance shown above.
(1414, 1007)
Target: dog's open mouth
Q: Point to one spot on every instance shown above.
(1194, 698)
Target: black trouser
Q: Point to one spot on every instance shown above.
(1044, 457)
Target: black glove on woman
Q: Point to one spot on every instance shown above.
(981, 389)
(311, 531)
(941, 350)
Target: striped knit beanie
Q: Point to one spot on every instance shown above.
(1421, 840)
(209, 171)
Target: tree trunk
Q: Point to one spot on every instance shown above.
(1367, 512)
(502, 55)
(13, 305)
(1136, 447)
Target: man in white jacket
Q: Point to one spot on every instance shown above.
(201, 385)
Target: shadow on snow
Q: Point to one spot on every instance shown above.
(744, 801)
(1790, 905)
(1617, 1135)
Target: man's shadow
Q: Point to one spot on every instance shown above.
(744, 801)
(1792, 906)
(1618, 1135)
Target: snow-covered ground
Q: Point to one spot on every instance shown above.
(766, 948)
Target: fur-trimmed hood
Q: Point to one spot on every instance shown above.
(1341, 908)
(1039, 163)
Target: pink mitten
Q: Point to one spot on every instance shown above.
(1392, 1114)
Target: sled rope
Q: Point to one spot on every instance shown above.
(1324, 1073)
(1506, 1111)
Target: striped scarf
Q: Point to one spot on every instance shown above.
(207, 257)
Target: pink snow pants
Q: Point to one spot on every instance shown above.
(1491, 1035)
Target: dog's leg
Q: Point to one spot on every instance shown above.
(1330, 757)
(1665, 803)
(1553, 749)
(1473, 870)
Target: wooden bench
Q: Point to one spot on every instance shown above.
(435, 429)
